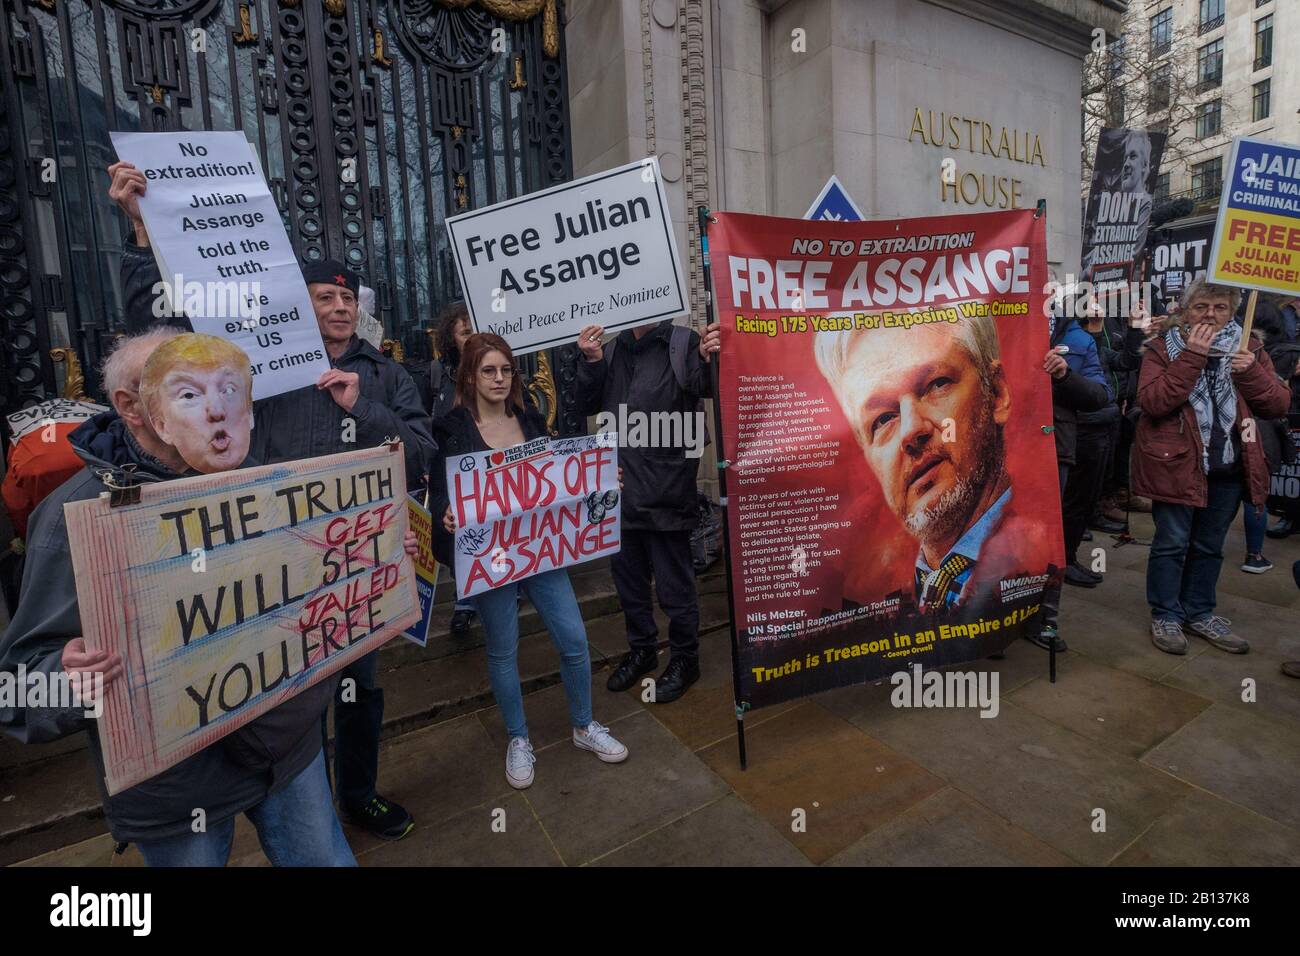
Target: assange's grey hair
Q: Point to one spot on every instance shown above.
(1199, 288)
(122, 367)
(978, 337)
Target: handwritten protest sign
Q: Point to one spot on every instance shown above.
(1257, 236)
(223, 252)
(596, 251)
(548, 503)
(426, 570)
(227, 594)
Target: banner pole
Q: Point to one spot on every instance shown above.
(1249, 320)
(1040, 210)
(719, 449)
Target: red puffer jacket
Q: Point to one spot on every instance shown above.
(1166, 462)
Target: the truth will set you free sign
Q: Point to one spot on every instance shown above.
(228, 594)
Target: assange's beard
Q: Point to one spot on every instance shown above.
(952, 512)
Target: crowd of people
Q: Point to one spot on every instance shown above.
(1168, 413)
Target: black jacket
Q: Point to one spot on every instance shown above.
(1074, 392)
(658, 483)
(139, 276)
(456, 433)
(1120, 354)
(224, 779)
(308, 423)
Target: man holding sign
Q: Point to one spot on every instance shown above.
(196, 390)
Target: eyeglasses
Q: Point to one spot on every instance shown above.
(505, 371)
(1219, 308)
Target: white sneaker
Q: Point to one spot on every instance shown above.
(519, 763)
(597, 739)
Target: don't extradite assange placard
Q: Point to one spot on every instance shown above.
(596, 251)
(227, 594)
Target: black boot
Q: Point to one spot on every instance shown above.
(633, 665)
(680, 674)
(460, 622)
(1081, 577)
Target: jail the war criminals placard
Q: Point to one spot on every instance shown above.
(545, 504)
(227, 594)
(887, 422)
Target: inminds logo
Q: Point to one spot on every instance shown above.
(77, 909)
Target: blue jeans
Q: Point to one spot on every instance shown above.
(1256, 521)
(498, 609)
(296, 825)
(1187, 552)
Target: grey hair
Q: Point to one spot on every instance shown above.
(1199, 288)
(978, 337)
(122, 368)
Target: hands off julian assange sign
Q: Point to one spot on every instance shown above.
(597, 251)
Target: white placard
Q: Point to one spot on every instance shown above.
(596, 251)
(223, 252)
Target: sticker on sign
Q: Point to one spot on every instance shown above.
(596, 251)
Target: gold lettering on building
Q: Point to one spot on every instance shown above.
(951, 131)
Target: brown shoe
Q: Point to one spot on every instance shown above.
(1291, 669)
(1111, 510)
(1138, 503)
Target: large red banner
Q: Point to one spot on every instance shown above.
(887, 419)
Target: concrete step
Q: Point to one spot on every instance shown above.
(50, 801)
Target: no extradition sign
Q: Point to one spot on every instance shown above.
(597, 251)
(1257, 238)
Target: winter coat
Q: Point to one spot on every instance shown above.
(139, 274)
(456, 433)
(1081, 389)
(308, 423)
(658, 483)
(1166, 458)
(1120, 357)
(225, 778)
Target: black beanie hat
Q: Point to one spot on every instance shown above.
(333, 272)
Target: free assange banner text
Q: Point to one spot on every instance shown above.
(227, 594)
(886, 416)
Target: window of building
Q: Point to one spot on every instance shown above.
(1209, 118)
(1162, 31)
(1260, 3)
(1207, 179)
(1115, 59)
(1259, 103)
(1209, 66)
(1158, 88)
(1211, 15)
(1162, 188)
(1264, 42)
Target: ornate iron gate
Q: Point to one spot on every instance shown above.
(374, 120)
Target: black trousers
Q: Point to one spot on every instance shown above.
(665, 557)
(1117, 473)
(357, 724)
(1083, 486)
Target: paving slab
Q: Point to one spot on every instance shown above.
(1242, 757)
(1203, 830)
(727, 832)
(808, 759)
(1123, 712)
(589, 808)
(1040, 776)
(1221, 677)
(499, 833)
(948, 828)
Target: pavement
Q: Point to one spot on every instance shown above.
(1132, 758)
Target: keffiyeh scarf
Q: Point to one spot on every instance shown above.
(1213, 396)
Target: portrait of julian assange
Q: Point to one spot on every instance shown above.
(932, 411)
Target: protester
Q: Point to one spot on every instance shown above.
(1078, 385)
(1196, 461)
(196, 390)
(490, 414)
(364, 399)
(1275, 323)
(653, 369)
